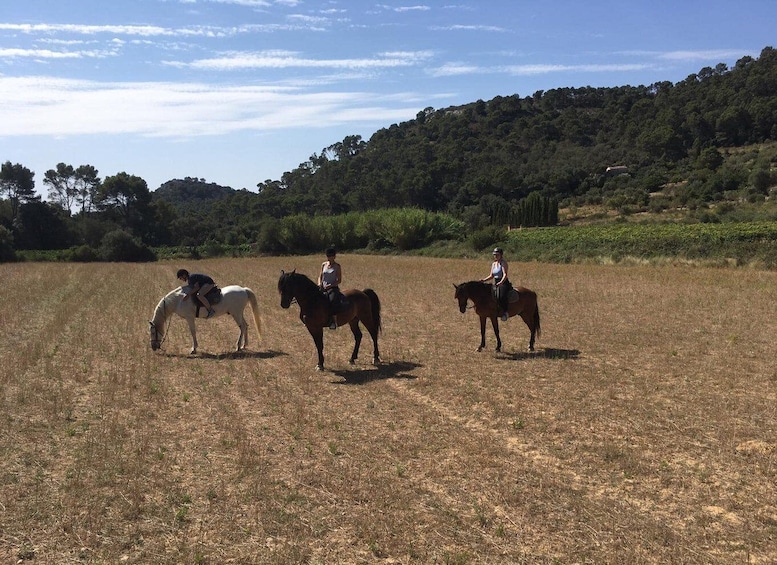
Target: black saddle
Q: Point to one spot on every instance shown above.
(214, 297)
(339, 302)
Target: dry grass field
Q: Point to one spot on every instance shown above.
(642, 430)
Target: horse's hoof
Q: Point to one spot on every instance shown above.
(479, 349)
(319, 367)
(352, 362)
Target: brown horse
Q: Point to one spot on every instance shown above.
(523, 303)
(358, 306)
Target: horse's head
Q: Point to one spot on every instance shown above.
(156, 334)
(462, 296)
(286, 288)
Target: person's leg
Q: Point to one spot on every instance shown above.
(502, 299)
(331, 294)
(201, 294)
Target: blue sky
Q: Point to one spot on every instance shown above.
(239, 91)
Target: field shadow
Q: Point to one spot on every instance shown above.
(395, 370)
(270, 354)
(543, 353)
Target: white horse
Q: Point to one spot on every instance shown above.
(233, 301)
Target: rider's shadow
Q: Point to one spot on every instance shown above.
(544, 353)
(395, 370)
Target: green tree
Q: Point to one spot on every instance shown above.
(17, 182)
(63, 190)
(73, 188)
(87, 185)
(41, 225)
(126, 199)
(7, 252)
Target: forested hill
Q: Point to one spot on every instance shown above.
(190, 194)
(704, 148)
(478, 160)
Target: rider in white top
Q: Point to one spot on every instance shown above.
(329, 280)
(502, 284)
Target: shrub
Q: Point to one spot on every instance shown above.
(119, 245)
(83, 254)
(7, 252)
(487, 237)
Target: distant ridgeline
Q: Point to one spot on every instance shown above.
(703, 147)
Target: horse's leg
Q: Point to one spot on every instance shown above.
(495, 324)
(529, 320)
(193, 330)
(317, 333)
(374, 335)
(242, 338)
(357, 339)
(482, 333)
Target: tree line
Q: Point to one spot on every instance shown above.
(509, 161)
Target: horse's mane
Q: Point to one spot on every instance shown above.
(300, 278)
(161, 310)
(470, 284)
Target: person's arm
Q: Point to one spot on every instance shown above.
(321, 275)
(339, 274)
(193, 288)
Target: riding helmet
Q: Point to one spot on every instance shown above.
(498, 250)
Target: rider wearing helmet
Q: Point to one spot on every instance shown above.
(329, 279)
(199, 285)
(502, 286)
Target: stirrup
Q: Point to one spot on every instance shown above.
(211, 313)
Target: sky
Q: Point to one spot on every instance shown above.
(237, 92)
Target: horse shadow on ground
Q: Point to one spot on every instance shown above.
(541, 353)
(395, 370)
(243, 354)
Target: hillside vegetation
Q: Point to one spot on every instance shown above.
(701, 150)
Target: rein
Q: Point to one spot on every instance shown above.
(156, 331)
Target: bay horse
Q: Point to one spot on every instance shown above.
(357, 306)
(233, 301)
(523, 303)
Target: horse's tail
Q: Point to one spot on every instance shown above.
(537, 320)
(375, 302)
(255, 311)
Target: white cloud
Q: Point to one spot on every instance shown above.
(417, 8)
(690, 55)
(540, 69)
(455, 69)
(279, 59)
(711, 55)
(145, 30)
(49, 54)
(59, 107)
(471, 27)
(459, 69)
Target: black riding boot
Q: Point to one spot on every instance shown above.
(334, 307)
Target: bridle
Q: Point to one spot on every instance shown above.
(156, 341)
(466, 304)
